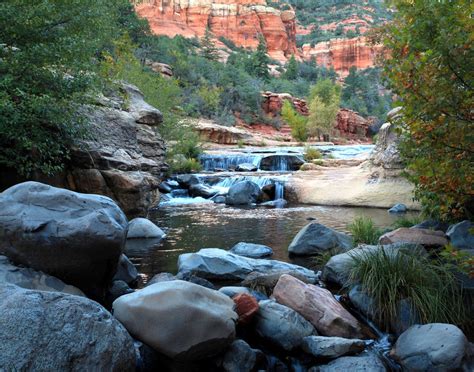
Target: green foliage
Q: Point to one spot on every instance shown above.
(179, 164)
(458, 260)
(433, 75)
(291, 72)
(310, 153)
(323, 108)
(364, 231)
(208, 48)
(406, 221)
(296, 121)
(48, 60)
(389, 277)
(260, 60)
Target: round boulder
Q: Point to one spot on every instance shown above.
(251, 250)
(76, 237)
(181, 320)
(60, 332)
(431, 347)
(243, 193)
(142, 228)
(315, 239)
(461, 235)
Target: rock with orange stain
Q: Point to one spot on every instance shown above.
(241, 21)
(246, 306)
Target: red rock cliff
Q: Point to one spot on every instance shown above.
(342, 54)
(238, 20)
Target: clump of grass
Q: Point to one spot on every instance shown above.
(322, 259)
(240, 143)
(389, 277)
(364, 231)
(406, 221)
(184, 165)
(310, 153)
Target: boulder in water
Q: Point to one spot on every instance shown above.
(398, 208)
(219, 264)
(315, 239)
(281, 162)
(126, 271)
(366, 362)
(202, 190)
(142, 228)
(75, 237)
(181, 320)
(251, 250)
(60, 332)
(243, 193)
(246, 167)
(331, 347)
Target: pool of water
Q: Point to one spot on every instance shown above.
(208, 225)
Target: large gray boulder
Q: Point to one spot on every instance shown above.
(331, 347)
(45, 331)
(240, 357)
(251, 250)
(28, 278)
(76, 237)
(362, 363)
(243, 193)
(219, 264)
(315, 239)
(431, 347)
(281, 325)
(181, 320)
(461, 235)
(143, 228)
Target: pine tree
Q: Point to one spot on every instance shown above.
(291, 69)
(208, 48)
(260, 60)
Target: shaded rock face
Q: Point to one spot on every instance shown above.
(318, 306)
(431, 347)
(31, 279)
(240, 357)
(386, 154)
(243, 193)
(76, 237)
(331, 347)
(60, 332)
(351, 125)
(281, 325)
(239, 20)
(461, 235)
(126, 158)
(181, 320)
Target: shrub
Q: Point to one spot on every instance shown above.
(310, 153)
(180, 164)
(406, 221)
(389, 277)
(364, 231)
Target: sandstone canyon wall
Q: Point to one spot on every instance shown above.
(238, 20)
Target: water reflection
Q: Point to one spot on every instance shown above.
(192, 227)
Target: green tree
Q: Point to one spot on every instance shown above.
(291, 72)
(260, 60)
(296, 121)
(208, 47)
(48, 59)
(323, 108)
(433, 74)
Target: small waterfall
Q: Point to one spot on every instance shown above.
(279, 190)
(211, 162)
(227, 182)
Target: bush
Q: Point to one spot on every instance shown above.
(180, 164)
(310, 153)
(364, 231)
(406, 222)
(389, 277)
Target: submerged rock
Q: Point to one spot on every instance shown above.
(431, 347)
(76, 237)
(60, 332)
(281, 325)
(142, 228)
(318, 306)
(243, 193)
(251, 250)
(422, 237)
(331, 347)
(218, 264)
(181, 320)
(315, 239)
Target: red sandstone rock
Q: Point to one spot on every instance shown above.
(428, 238)
(238, 20)
(342, 54)
(318, 306)
(351, 125)
(246, 306)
